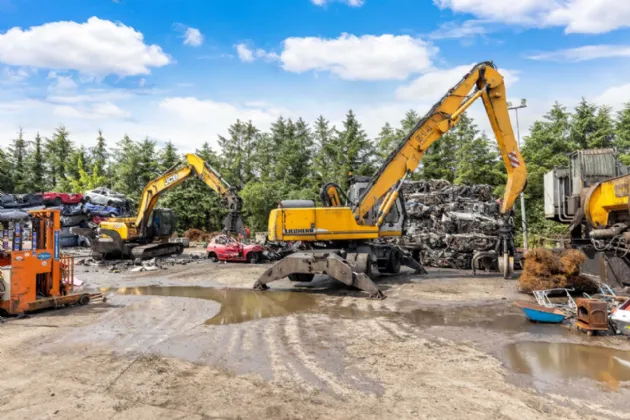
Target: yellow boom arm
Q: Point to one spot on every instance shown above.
(192, 165)
(489, 86)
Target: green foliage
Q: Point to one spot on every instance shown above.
(259, 198)
(84, 181)
(100, 155)
(57, 151)
(6, 181)
(19, 171)
(355, 154)
(168, 157)
(622, 134)
(36, 165)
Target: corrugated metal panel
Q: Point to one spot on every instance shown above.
(598, 163)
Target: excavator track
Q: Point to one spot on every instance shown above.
(146, 252)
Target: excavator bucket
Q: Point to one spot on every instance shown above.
(303, 266)
(233, 223)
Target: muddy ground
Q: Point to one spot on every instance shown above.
(193, 342)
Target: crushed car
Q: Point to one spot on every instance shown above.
(226, 248)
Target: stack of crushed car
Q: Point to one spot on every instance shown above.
(449, 223)
(76, 209)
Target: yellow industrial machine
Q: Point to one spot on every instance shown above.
(591, 196)
(146, 235)
(340, 238)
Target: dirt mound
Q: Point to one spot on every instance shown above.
(196, 235)
(549, 269)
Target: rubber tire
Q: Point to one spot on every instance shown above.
(253, 258)
(212, 257)
(57, 202)
(394, 263)
(109, 203)
(84, 300)
(301, 277)
(87, 199)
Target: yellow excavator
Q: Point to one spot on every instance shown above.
(147, 235)
(342, 240)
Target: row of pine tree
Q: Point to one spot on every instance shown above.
(294, 158)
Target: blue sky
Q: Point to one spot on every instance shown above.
(184, 70)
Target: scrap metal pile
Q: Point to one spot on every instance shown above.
(449, 223)
(75, 210)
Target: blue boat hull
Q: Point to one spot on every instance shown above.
(540, 316)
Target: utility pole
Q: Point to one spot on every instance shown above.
(518, 134)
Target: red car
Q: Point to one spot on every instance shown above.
(225, 248)
(61, 198)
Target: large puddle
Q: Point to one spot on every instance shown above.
(549, 362)
(237, 305)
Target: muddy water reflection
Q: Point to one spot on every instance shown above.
(237, 305)
(547, 362)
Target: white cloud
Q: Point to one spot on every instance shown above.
(368, 57)
(433, 85)
(352, 3)
(576, 16)
(616, 96)
(62, 84)
(587, 52)
(14, 76)
(209, 112)
(455, 30)
(245, 54)
(103, 110)
(193, 37)
(97, 47)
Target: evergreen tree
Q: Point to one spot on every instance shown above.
(407, 124)
(250, 137)
(294, 157)
(232, 154)
(148, 167)
(546, 146)
(278, 138)
(19, 157)
(100, 154)
(355, 152)
(604, 134)
(622, 134)
(386, 141)
(476, 162)
(6, 181)
(73, 171)
(324, 157)
(58, 150)
(126, 167)
(36, 164)
(264, 154)
(168, 157)
(583, 125)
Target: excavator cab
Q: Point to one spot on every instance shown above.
(161, 223)
(395, 219)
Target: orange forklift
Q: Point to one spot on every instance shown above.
(34, 274)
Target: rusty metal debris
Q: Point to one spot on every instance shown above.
(448, 223)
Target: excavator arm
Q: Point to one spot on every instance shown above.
(488, 85)
(191, 165)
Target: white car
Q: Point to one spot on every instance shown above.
(105, 197)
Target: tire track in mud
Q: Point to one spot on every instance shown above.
(311, 362)
(279, 357)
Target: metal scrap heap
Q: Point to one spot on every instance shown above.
(448, 223)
